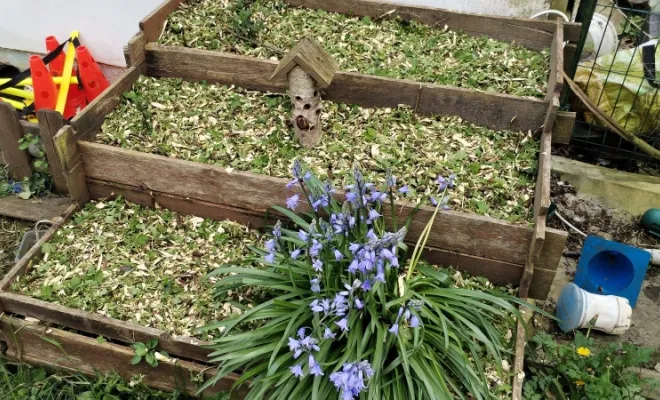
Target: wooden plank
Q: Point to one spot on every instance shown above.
(17, 161)
(542, 191)
(97, 324)
(87, 122)
(498, 272)
(534, 34)
(134, 50)
(43, 208)
(51, 347)
(556, 78)
(30, 127)
(153, 24)
(71, 164)
(22, 265)
(519, 353)
(563, 129)
(312, 58)
(100, 190)
(495, 111)
(454, 231)
(50, 122)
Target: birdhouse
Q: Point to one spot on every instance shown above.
(309, 68)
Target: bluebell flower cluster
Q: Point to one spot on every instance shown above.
(351, 380)
(348, 257)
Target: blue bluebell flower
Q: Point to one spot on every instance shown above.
(372, 216)
(394, 329)
(340, 305)
(352, 197)
(350, 381)
(316, 248)
(342, 324)
(328, 334)
(414, 321)
(315, 285)
(277, 230)
(317, 265)
(297, 371)
(434, 202)
(371, 235)
(353, 266)
(292, 202)
(378, 197)
(404, 189)
(338, 255)
(270, 245)
(354, 247)
(295, 254)
(292, 183)
(321, 306)
(358, 304)
(270, 258)
(366, 285)
(314, 367)
(308, 176)
(303, 235)
(442, 182)
(450, 181)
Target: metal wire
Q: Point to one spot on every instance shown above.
(592, 137)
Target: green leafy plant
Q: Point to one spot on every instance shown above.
(583, 369)
(148, 352)
(346, 318)
(22, 382)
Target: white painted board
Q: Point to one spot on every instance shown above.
(105, 25)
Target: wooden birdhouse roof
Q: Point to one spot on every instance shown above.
(312, 58)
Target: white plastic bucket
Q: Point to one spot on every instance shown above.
(602, 38)
(577, 307)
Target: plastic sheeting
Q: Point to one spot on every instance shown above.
(616, 83)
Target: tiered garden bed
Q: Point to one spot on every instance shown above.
(235, 171)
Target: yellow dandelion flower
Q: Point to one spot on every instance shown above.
(579, 382)
(583, 351)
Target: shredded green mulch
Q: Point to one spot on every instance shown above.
(384, 47)
(249, 131)
(11, 233)
(141, 265)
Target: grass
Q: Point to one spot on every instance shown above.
(386, 47)
(21, 382)
(140, 265)
(248, 131)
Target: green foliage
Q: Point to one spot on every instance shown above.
(26, 383)
(148, 352)
(421, 336)
(583, 369)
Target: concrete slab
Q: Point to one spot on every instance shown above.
(634, 193)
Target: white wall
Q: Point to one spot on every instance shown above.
(105, 25)
(508, 8)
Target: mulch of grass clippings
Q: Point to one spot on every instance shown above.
(249, 131)
(141, 265)
(384, 47)
(11, 233)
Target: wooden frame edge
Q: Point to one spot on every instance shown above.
(492, 110)
(54, 348)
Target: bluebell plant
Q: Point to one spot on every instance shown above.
(351, 315)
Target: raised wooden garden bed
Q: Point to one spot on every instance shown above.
(506, 254)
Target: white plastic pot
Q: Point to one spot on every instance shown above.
(577, 307)
(602, 38)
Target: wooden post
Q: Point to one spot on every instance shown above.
(50, 122)
(71, 165)
(17, 161)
